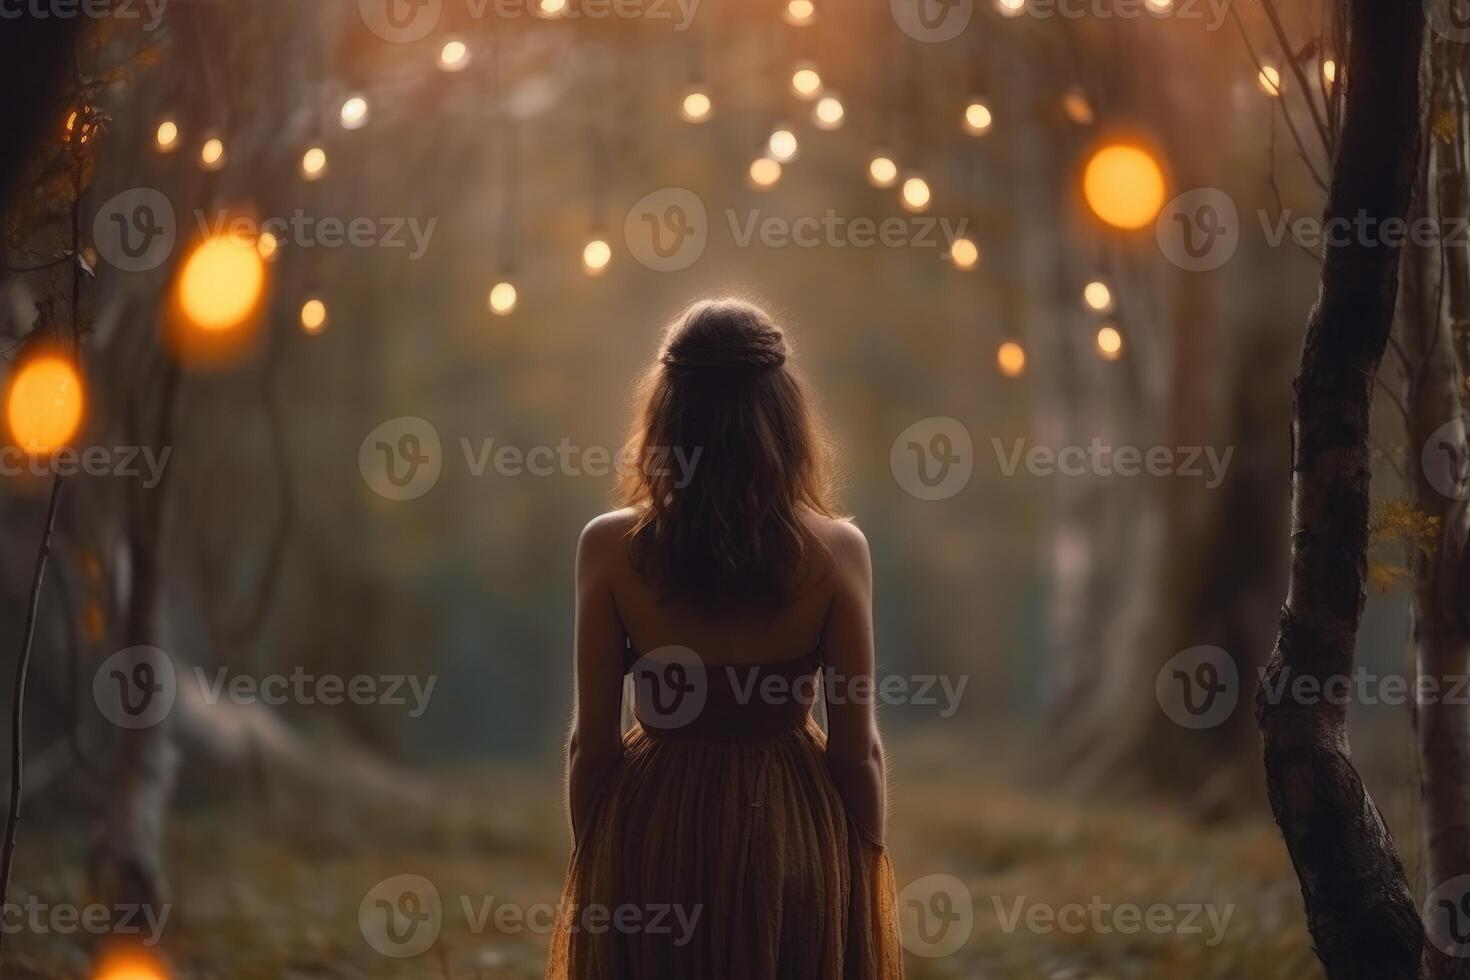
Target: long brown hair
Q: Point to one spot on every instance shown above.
(724, 456)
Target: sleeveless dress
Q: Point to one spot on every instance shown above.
(720, 848)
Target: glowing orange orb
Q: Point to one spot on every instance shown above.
(44, 404)
(1123, 185)
(221, 282)
(1010, 358)
(131, 967)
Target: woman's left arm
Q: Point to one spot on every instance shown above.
(596, 744)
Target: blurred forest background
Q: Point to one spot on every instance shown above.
(517, 138)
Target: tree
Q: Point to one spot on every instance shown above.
(1360, 911)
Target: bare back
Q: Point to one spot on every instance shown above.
(769, 636)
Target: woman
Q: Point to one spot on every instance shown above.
(725, 837)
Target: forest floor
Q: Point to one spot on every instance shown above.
(1058, 892)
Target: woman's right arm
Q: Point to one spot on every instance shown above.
(596, 744)
(854, 750)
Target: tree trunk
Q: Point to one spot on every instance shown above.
(127, 857)
(1436, 295)
(1360, 912)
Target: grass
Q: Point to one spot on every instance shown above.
(274, 894)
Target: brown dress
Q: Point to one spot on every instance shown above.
(720, 848)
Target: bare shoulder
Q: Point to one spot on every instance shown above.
(846, 545)
(604, 539)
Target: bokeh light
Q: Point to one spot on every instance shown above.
(696, 106)
(764, 172)
(314, 163)
(806, 82)
(800, 13)
(43, 407)
(916, 194)
(313, 315)
(1077, 106)
(828, 113)
(964, 253)
(1097, 296)
(354, 112)
(1011, 8)
(221, 283)
(1109, 342)
(882, 170)
(267, 245)
(454, 56)
(502, 298)
(783, 145)
(166, 138)
(131, 966)
(977, 118)
(596, 255)
(1123, 185)
(212, 153)
(1269, 79)
(1010, 359)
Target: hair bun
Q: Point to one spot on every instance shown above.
(725, 335)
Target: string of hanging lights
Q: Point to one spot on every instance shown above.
(1122, 183)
